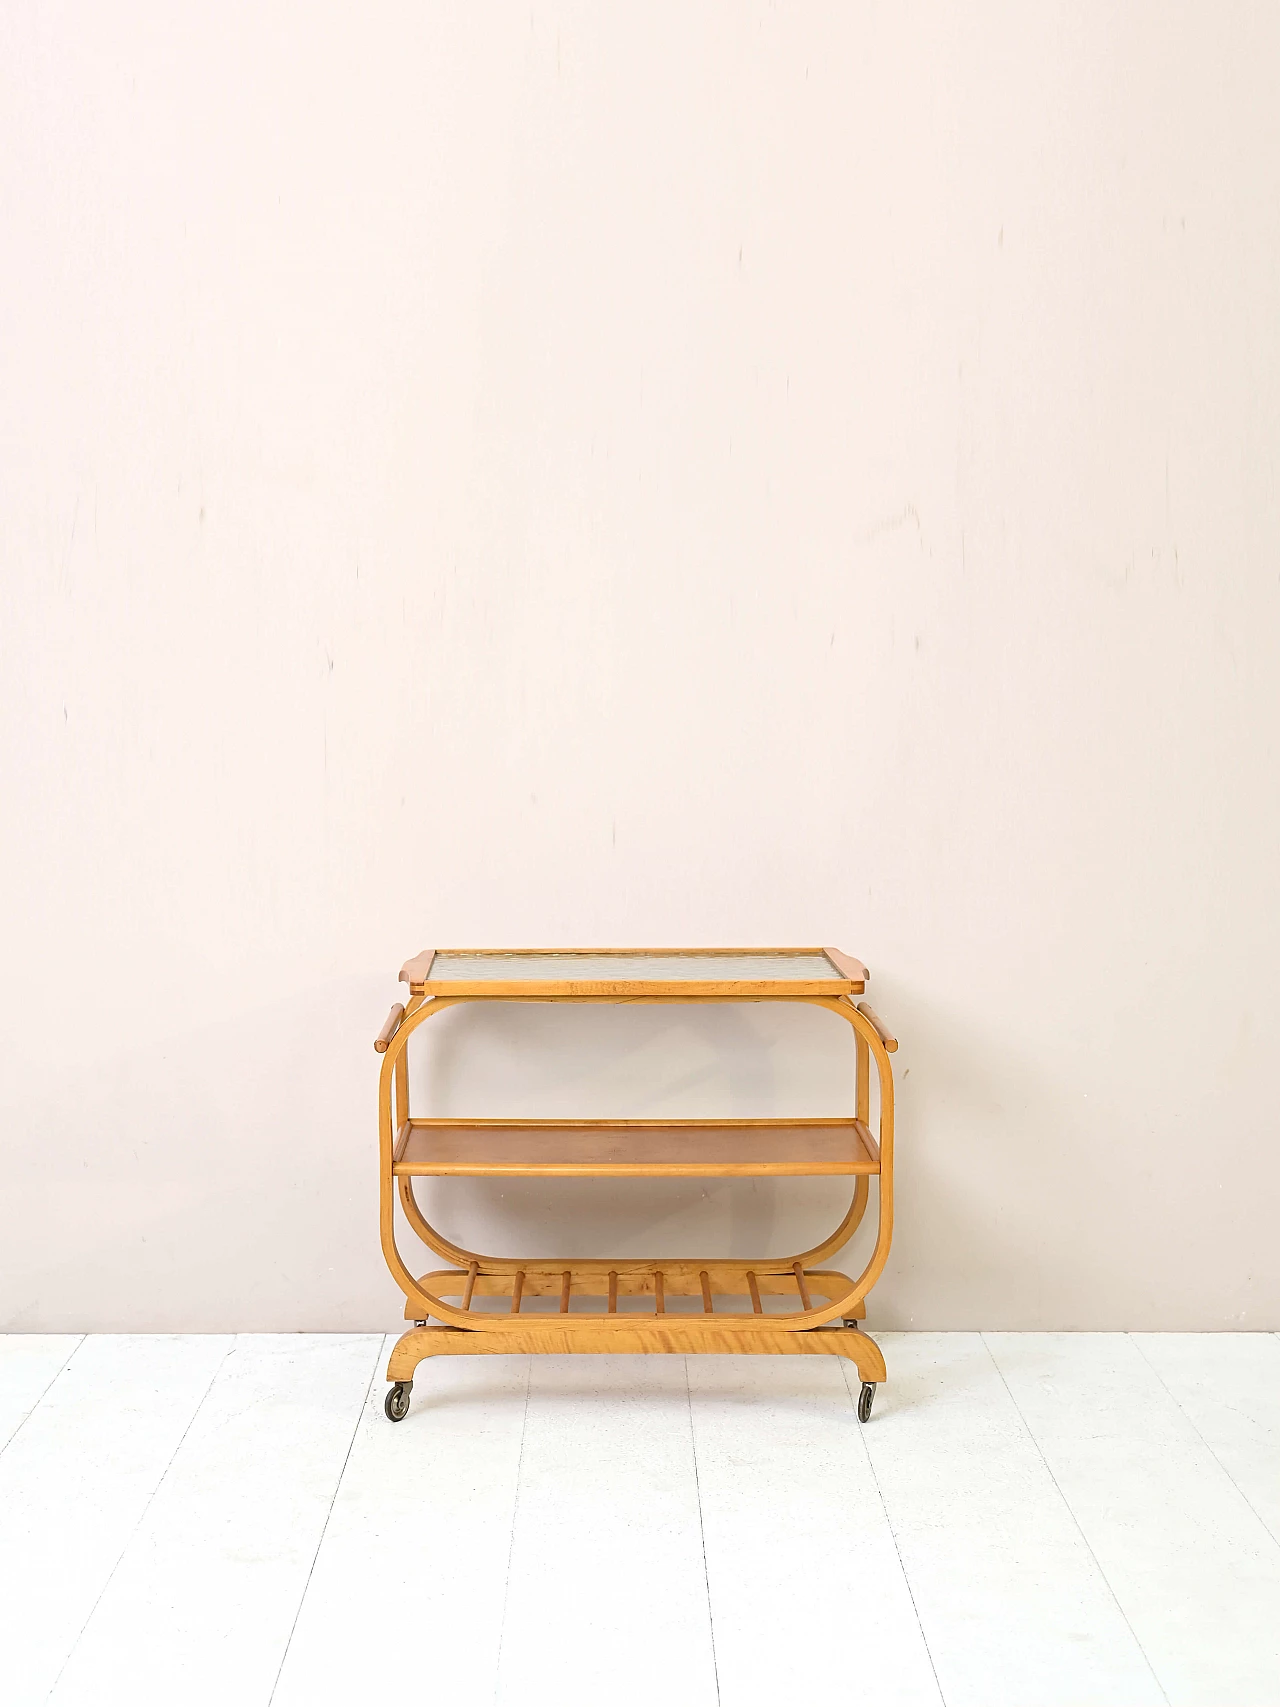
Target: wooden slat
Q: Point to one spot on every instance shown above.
(516, 1291)
(566, 1281)
(705, 1278)
(634, 1149)
(867, 1138)
(613, 1290)
(591, 1279)
(471, 1285)
(754, 1289)
(804, 1290)
(659, 1293)
(402, 1139)
(659, 1277)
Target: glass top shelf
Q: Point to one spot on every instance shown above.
(783, 971)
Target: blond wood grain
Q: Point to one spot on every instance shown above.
(847, 966)
(633, 1148)
(638, 1334)
(415, 971)
(729, 1279)
(812, 1330)
(382, 1041)
(881, 1029)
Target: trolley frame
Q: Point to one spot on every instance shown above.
(411, 1147)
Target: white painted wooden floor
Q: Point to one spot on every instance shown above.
(1028, 1519)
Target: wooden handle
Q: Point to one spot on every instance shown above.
(382, 1042)
(881, 1029)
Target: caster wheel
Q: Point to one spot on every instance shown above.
(851, 1321)
(397, 1401)
(865, 1400)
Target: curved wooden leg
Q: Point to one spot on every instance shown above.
(862, 1351)
(410, 1349)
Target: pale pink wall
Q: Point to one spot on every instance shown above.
(704, 473)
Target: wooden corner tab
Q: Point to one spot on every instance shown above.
(415, 971)
(847, 966)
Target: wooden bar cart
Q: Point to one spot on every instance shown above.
(829, 1304)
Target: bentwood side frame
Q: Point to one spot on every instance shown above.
(830, 1304)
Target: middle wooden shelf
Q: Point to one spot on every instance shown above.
(636, 1148)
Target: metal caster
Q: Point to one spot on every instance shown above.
(397, 1401)
(850, 1321)
(865, 1400)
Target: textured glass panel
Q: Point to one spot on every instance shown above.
(606, 967)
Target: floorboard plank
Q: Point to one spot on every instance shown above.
(801, 1561)
(200, 1607)
(1013, 1605)
(607, 1542)
(1042, 1520)
(75, 1483)
(409, 1574)
(1229, 1387)
(1193, 1567)
(29, 1365)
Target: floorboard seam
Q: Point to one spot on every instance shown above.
(515, 1512)
(1155, 1676)
(1274, 1539)
(5, 1445)
(893, 1534)
(142, 1515)
(702, 1531)
(324, 1527)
